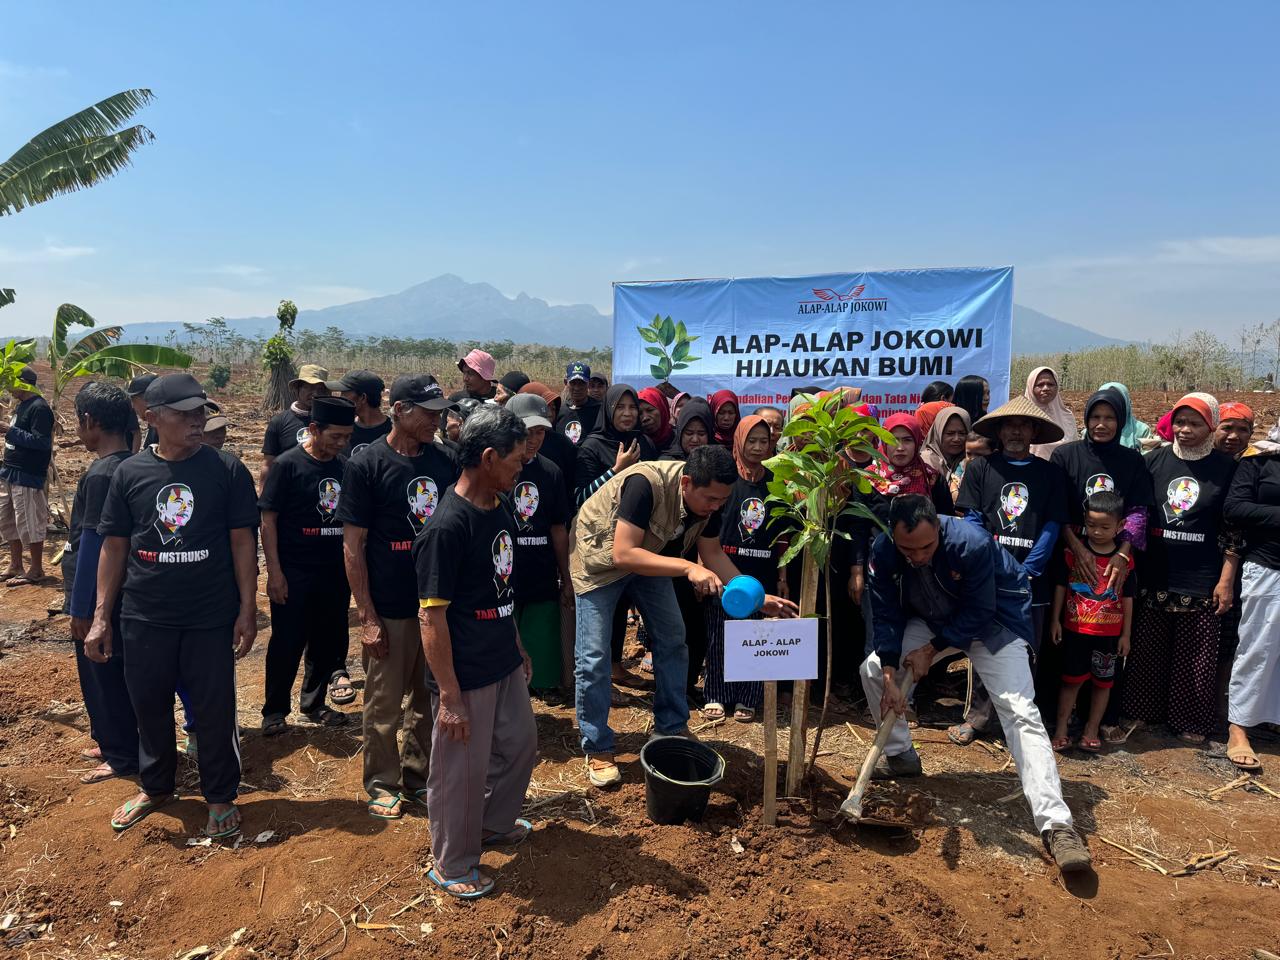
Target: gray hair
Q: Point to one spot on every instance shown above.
(489, 427)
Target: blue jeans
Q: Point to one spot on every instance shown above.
(656, 599)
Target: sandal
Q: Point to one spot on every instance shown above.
(1245, 760)
(962, 734)
(324, 717)
(1193, 739)
(147, 807)
(103, 771)
(25, 580)
(513, 837)
(630, 681)
(341, 691)
(274, 725)
(472, 878)
(646, 665)
(91, 753)
(381, 807)
(743, 714)
(1090, 744)
(1061, 744)
(713, 711)
(220, 818)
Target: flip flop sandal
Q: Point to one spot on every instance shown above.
(962, 734)
(631, 681)
(273, 726)
(512, 838)
(418, 796)
(103, 771)
(1240, 757)
(147, 806)
(1061, 744)
(743, 714)
(92, 753)
(1193, 739)
(324, 717)
(472, 878)
(1090, 744)
(380, 808)
(25, 581)
(713, 711)
(220, 818)
(342, 692)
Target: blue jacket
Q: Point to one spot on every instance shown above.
(990, 588)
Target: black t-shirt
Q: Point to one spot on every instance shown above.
(1091, 469)
(362, 436)
(1183, 552)
(560, 450)
(284, 432)
(393, 497)
(178, 516)
(86, 511)
(577, 423)
(467, 556)
(1016, 500)
(1255, 508)
(747, 532)
(34, 416)
(304, 493)
(537, 503)
(635, 505)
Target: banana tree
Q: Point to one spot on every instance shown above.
(810, 491)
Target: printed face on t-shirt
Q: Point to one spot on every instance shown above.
(1181, 497)
(1014, 498)
(750, 517)
(301, 435)
(175, 505)
(1099, 483)
(573, 430)
(504, 554)
(327, 501)
(526, 500)
(424, 497)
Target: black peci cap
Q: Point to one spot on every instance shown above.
(177, 391)
(333, 412)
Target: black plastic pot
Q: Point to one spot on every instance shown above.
(678, 776)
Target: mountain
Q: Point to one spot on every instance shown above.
(450, 308)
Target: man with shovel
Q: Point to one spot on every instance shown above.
(941, 584)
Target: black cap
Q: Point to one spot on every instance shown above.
(177, 391)
(514, 380)
(138, 385)
(420, 389)
(467, 406)
(28, 375)
(333, 412)
(358, 381)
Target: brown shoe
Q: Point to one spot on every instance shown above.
(602, 771)
(1067, 849)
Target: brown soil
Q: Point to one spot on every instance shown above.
(598, 880)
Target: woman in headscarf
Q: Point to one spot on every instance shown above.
(1189, 579)
(944, 444)
(655, 417)
(904, 470)
(677, 404)
(1042, 390)
(748, 535)
(973, 394)
(1235, 429)
(616, 443)
(1135, 430)
(1253, 505)
(724, 407)
(694, 428)
(926, 413)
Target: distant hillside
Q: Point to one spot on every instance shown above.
(450, 308)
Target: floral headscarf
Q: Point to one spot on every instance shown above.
(917, 476)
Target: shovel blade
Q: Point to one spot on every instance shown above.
(852, 807)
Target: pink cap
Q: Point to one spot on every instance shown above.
(480, 362)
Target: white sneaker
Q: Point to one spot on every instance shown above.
(602, 771)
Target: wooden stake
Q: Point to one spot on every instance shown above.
(262, 886)
(800, 688)
(770, 753)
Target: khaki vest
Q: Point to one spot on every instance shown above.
(591, 531)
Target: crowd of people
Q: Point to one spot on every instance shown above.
(496, 542)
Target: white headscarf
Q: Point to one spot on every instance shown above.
(1056, 410)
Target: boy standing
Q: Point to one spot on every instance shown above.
(1092, 628)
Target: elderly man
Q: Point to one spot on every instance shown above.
(484, 743)
(364, 389)
(578, 411)
(390, 492)
(630, 539)
(180, 517)
(24, 506)
(479, 378)
(288, 428)
(306, 580)
(941, 584)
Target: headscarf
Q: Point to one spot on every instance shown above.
(932, 453)
(752, 474)
(1135, 430)
(653, 396)
(718, 400)
(1233, 410)
(604, 427)
(1206, 406)
(1056, 410)
(927, 412)
(695, 409)
(675, 401)
(1115, 400)
(915, 477)
(1164, 427)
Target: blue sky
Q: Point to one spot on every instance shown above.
(1122, 157)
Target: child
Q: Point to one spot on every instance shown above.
(1092, 628)
(975, 446)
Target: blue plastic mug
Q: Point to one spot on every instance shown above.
(743, 597)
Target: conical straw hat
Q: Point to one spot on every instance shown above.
(1046, 430)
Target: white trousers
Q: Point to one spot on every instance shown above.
(1007, 676)
(1254, 694)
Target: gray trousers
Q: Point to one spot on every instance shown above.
(390, 768)
(478, 787)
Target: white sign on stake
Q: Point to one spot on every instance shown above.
(771, 649)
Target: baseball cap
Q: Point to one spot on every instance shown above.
(480, 362)
(577, 371)
(311, 373)
(216, 423)
(27, 375)
(530, 408)
(138, 385)
(358, 381)
(177, 391)
(420, 389)
(599, 377)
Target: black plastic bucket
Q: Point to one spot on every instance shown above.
(678, 776)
